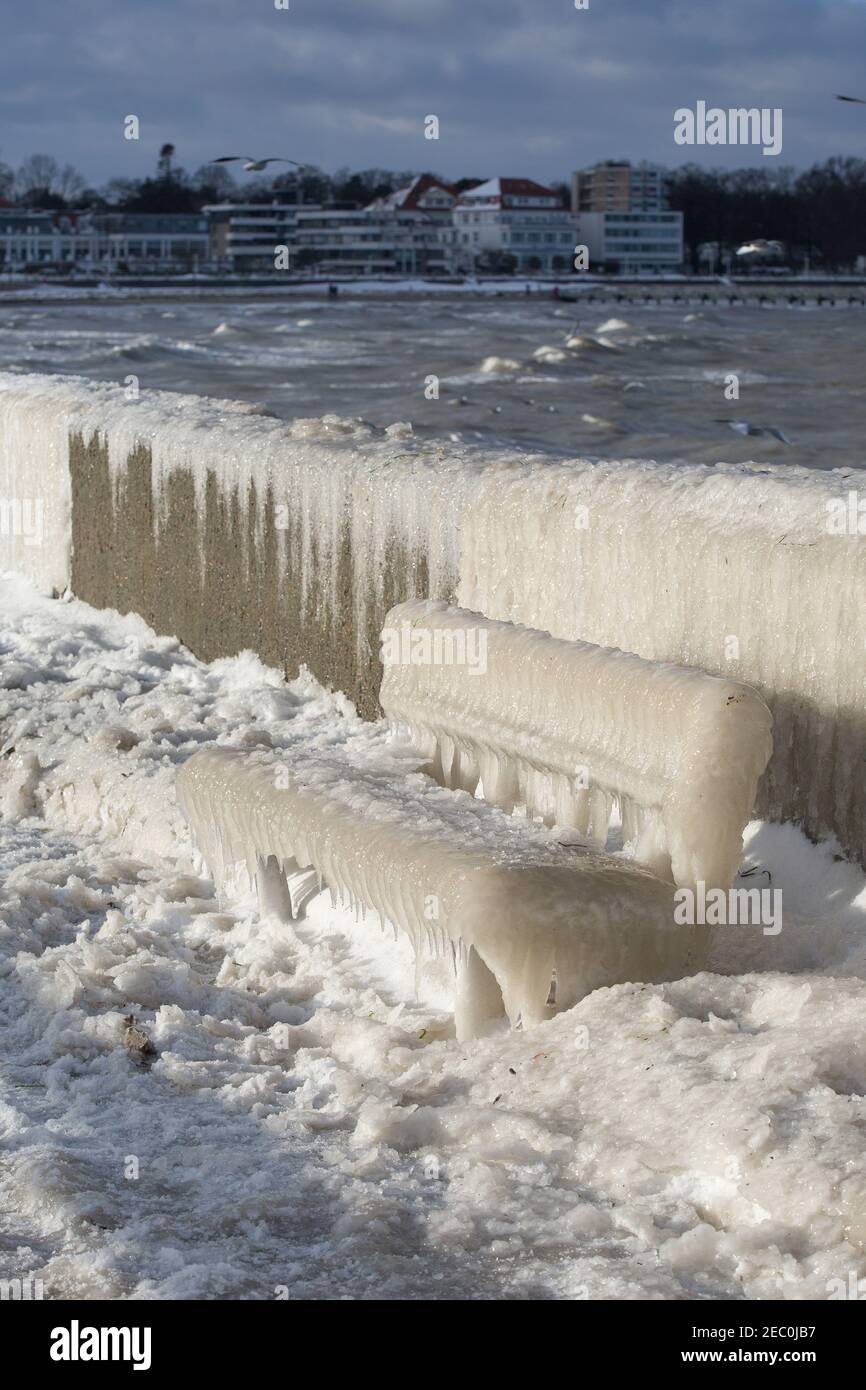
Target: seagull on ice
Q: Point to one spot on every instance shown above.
(255, 166)
(745, 427)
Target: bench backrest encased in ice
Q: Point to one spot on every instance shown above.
(572, 731)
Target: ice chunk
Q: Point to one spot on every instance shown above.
(570, 731)
(492, 365)
(532, 925)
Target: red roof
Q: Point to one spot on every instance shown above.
(524, 188)
(407, 199)
(421, 186)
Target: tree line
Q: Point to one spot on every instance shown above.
(819, 214)
(42, 182)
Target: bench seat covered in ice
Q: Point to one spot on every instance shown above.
(533, 924)
(572, 731)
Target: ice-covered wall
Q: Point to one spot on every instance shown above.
(233, 529)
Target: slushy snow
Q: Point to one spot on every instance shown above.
(306, 1122)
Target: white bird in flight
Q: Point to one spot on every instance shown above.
(254, 166)
(747, 428)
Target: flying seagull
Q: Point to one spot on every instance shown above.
(254, 166)
(745, 427)
(859, 100)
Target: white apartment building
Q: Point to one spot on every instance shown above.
(512, 224)
(632, 243)
(406, 233)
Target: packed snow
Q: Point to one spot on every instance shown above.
(307, 1126)
(577, 734)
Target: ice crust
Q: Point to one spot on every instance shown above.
(517, 910)
(573, 732)
(731, 568)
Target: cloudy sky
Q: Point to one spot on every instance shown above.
(519, 86)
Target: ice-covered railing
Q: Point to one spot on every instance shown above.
(533, 924)
(35, 489)
(573, 731)
(296, 540)
(755, 573)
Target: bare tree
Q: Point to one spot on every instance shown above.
(41, 180)
(215, 181)
(69, 183)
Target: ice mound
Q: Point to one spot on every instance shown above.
(613, 326)
(572, 731)
(500, 364)
(533, 925)
(550, 354)
(329, 427)
(577, 341)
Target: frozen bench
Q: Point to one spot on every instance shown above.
(572, 732)
(565, 729)
(534, 925)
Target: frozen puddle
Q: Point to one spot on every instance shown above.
(304, 1123)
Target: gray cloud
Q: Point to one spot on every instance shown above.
(519, 86)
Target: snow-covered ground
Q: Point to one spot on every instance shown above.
(306, 1125)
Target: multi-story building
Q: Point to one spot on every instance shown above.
(150, 241)
(617, 186)
(101, 240)
(406, 233)
(245, 236)
(512, 224)
(624, 219)
(34, 237)
(632, 243)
